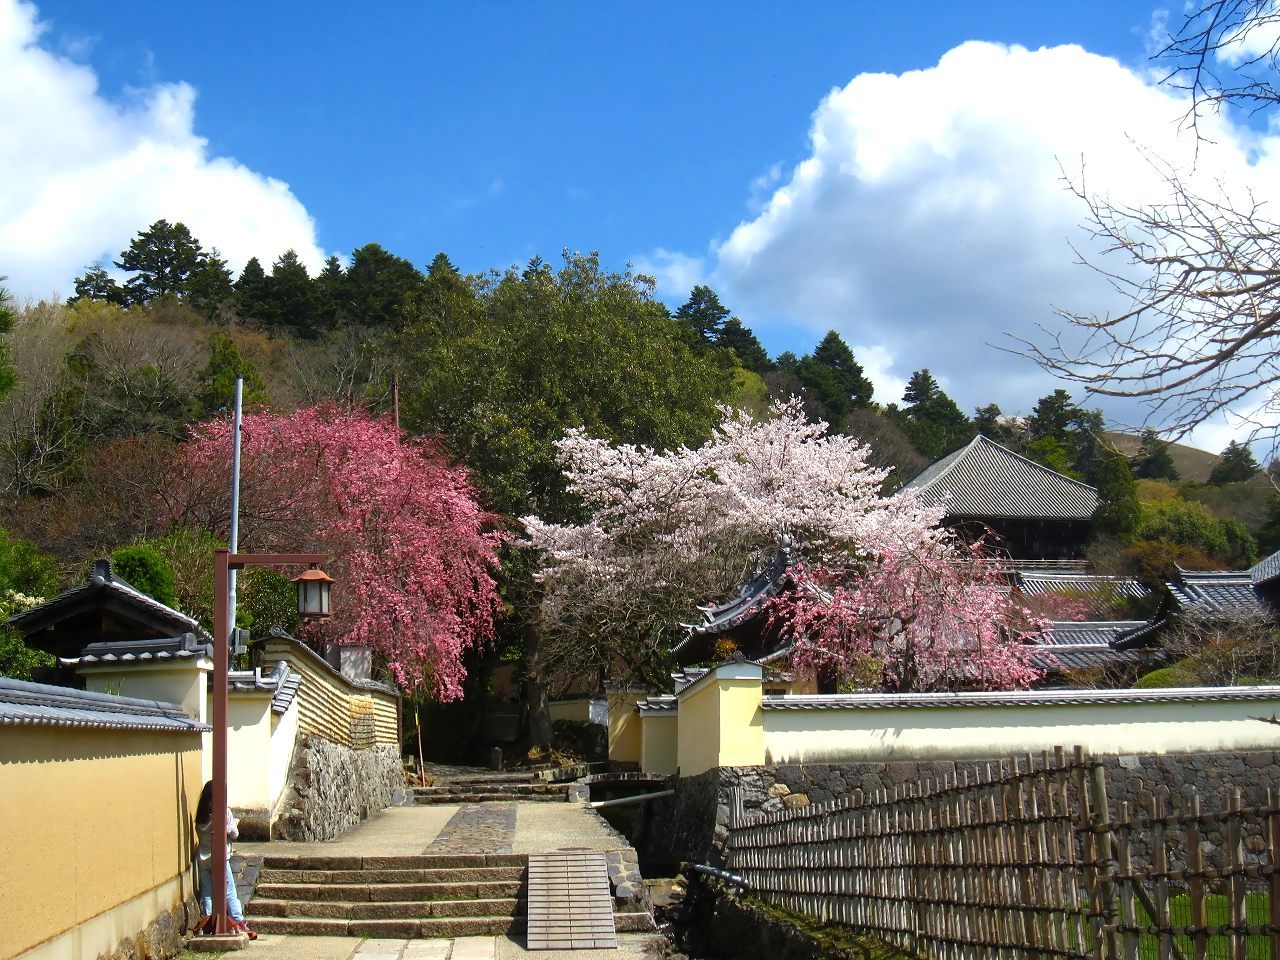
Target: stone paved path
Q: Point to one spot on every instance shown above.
(631, 946)
(477, 828)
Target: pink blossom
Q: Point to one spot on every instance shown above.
(414, 553)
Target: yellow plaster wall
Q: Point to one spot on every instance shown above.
(658, 740)
(741, 723)
(90, 821)
(334, 709)
(575, 710)
(720, 721)
(624, 726)
(976, 733)
(698, 737)
(249, 750)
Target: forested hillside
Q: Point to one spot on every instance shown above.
(100, 393)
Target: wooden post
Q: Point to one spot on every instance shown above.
(1160, 866)
(1235, 861)
(1273, 860)
(1128, 916)
(1195, 881)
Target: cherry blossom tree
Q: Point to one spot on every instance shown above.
(665, 531)
(414, 553)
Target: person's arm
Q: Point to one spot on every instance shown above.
(233, 827)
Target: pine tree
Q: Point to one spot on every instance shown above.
(292, 297)
(1117, 513)
(702, 316)
(216, 390)
(1236, 466)
(331, 292)
(208, 287)
(160, 259)
(1153, 461)
(253, 298)
(834, 378)
(96, 284)
(1052, 416)
(378, 284)
(736, 336)
(931, 419)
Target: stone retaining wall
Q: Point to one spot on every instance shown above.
(161, 938)
(333, 787)
(691, 826)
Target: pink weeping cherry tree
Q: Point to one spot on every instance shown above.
(414, 553)
(903, 604)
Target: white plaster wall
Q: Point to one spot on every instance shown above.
(284, 735)
(983, 732)
(248, 750)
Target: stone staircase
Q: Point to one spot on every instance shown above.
(409, 897)
(484, 788)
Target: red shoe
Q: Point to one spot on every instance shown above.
(244, 928)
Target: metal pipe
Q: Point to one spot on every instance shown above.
(236, 429)
(716, 872)
(638, 798)
(218, 873)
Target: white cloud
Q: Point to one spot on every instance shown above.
(1254, 40)
(676, 273)
(83, 174)
(930, 216)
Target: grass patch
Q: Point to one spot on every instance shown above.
(835, 939)
(1217, 910)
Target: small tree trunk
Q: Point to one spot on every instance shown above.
(535, 691)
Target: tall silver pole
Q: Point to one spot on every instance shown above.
(235, 499)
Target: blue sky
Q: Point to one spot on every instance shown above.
(850, 165)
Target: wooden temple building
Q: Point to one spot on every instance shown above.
(1038, 513)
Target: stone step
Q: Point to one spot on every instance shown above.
(419, 875)
(390, 910)
(383, 892)
(423, 799)
(425, 928)
(432, 861)
(508, 789)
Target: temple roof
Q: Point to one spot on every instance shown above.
(106, 590)
(185, 647)
(1036, 582)
(984, 479)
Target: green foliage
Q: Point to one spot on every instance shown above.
(991, 422)
(293, 300)
(834, 379)
(501, 366)
(1118, 509)
(1154, 461)
(1183, 523)
(209, 287)
(1052, 452)
(1269, 534)
(161, 258)
(217, 389)
(1179, 675)
(97, 284)
(25, 568)
(931, 419)
(702, 316)
(1052, 416)
(1156, 562)
(1236, 466)
(377, 286)
(735, 336)
(8, 375)
(144, 568)
(17, 660)
(252, 294)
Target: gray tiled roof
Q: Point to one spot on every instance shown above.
(282, 683)
(1087, 583)
(662, 704)
(984, 479)
(1215, 590)
(186, 647)
(1268, 568)
(106, 581)
(38, 704)
(1083, 657)
(767, 583)
(1063, 633)
(1002, 698)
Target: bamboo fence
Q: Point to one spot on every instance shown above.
(1026, 858)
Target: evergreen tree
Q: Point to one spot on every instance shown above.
(1117, 514)
(378, 284)
(1153, 461)
(1236, 466)
(931, 419)
(1052, 416)
(991, 422)
(292, 297)
(331, 292)
(160, 259)
(143, 568)
(834, 378)
(702, 316)
(209, 287)
(737, 337)
(253, 296)
(96, 284)
(216, 390)
(8, 375)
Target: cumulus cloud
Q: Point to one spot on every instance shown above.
(82, 173)
(931, 217)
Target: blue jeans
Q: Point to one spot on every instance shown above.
(234, 910)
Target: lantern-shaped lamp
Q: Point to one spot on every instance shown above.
(313, 594)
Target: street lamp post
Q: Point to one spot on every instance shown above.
(224, 562)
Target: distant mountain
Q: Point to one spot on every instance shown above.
(1193, 464)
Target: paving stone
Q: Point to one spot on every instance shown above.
(474, 948)
(477, 828)
(380, 946)
(427, 950)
